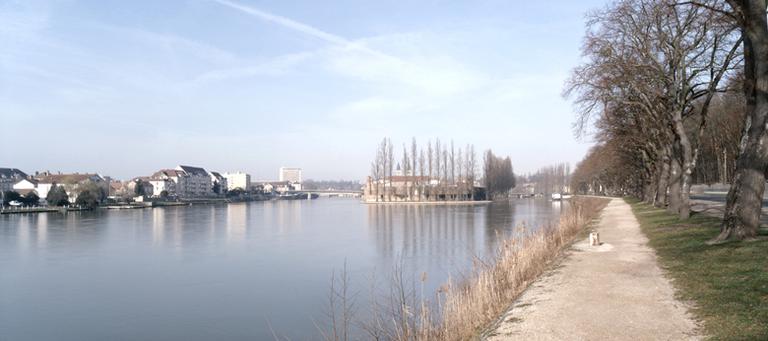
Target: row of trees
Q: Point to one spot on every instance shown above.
(351, 185)
(551, 179)
(667, 86)
(498, 175)
(439, 170)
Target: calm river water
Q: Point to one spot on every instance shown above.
(227, 272)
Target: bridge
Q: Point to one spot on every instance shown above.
(334, 193)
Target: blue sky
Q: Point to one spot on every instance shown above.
(124, 88)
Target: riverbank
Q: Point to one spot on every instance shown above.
(614, 291)
(41, 210)
(464, 308)
(728, 283)
(135, 205)
(461, 202)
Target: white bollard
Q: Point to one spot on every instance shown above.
(594, 238)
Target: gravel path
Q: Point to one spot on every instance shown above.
(615, 291)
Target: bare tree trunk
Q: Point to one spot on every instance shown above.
(445, 174)
(663, 182)
(675, 184)
(745, 198)
(649, 181)
(686, 168)
(663, 186)
(390, 164)
(453, 170)
(414, 159)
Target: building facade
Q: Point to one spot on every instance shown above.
(218, 183)
(196, 182)
(186, 182)
(239, 180)
(163, 185)
(291, 174)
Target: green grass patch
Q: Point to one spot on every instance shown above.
(728, 283)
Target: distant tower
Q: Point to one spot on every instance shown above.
(291, 174)
(398, 170)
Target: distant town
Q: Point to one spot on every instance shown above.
(172, 186)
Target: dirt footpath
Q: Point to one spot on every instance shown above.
(615, 291)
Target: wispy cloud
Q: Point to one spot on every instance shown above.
(300, 27)
(356, 59)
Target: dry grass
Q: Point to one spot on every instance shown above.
(471, 306)
(462, 310)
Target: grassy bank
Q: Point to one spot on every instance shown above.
(727, 283)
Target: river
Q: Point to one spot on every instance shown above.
(230, 271)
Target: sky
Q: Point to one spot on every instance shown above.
(124, 88)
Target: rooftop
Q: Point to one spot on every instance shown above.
(199, 171)
(12, 173)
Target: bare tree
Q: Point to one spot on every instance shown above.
(453, 164)
(471, 169)
(745, 197)
(446, 165)
(460, 184)
(414, 160)
(390, 167)
(653, 70)
(498, 175)
(430, 162)
(379, 166)
(405, 168)
(438, 164)
(421, 174)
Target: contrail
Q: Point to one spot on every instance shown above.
(301, 27)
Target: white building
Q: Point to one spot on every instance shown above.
(162, 185)
(290, 174)
(183, 181)
(26, 186)
(239, 180)
(277, 186)
(196, 182)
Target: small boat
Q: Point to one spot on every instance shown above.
(557, 196)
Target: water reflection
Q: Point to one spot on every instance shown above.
(220, 270)
(237, 220)
(425, 230)
(444, 239)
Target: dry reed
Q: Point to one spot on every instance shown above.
(462, 310)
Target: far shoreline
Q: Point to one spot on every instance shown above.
(465, 202)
